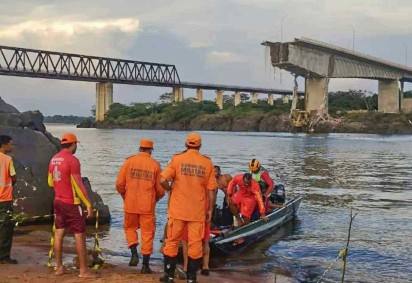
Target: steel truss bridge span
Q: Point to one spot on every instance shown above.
(22, 62)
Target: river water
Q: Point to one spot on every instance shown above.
(333, 173)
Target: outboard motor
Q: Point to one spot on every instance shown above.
(278, 195)
(222, 216)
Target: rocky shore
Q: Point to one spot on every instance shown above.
(34, 147)
(362, 122)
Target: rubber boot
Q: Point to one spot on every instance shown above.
(134, 260)
(192, 267)
(145, 266)
(169, 266)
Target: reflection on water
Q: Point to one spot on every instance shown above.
(335, 172)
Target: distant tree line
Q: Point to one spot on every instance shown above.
(352, 100)
(65, 119)
(167, 111)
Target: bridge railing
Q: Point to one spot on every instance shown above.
(16, 61)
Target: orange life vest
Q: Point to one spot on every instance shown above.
(6, 185)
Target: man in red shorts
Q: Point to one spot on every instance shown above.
(245, 199)
(64, 176)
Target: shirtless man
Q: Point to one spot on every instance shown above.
(222, 180)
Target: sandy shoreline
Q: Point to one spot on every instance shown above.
(31, 250)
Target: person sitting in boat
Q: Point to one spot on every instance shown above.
(222, 216)
(222, 179)
(245, 199)
(276, 199)
(261, 175)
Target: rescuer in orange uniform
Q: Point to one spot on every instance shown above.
(246, 198)
(7, 181)
(193, 183)
(69, 191)
(205, 247)
(138, 182)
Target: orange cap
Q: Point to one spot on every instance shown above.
(68, 138)
(194, 139)
(146, 143)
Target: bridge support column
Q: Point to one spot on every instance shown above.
(104, 98)
(199, 95)
(315, 90)
(177, 94)
(175, 97)
(388, 96)
(219, 99)
(270, 99)
(285, 99)
(406, 103)
(254, 96)
(237, 98)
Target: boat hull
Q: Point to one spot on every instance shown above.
(237, 240)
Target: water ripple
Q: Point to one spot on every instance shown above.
(335, 172)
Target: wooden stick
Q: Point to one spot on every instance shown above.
(347, 245)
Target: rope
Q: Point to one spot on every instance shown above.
(51, 250)
(19, 218)
(341, 254)
(98, 259)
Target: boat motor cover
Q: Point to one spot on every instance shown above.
(278, 195)
(222, 216)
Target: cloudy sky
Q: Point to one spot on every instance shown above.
(209, 41)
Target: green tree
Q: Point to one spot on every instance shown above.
(228, 101)
(117, 110)
(407, 94)
(351, 100)
(93, 111)
(166, 97)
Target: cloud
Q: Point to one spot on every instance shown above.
(67, 29)
(216, 41)
(216, 57)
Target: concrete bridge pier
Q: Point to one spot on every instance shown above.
(237, 98)
(270, 99)
(388, 96)
(315, 89)
(175, 97)
(285, 99)
(104, 98)
(219, 99)
(177, 94)
(199, 95)
(254, 96)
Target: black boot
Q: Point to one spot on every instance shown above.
(170, 266)
(192, 267)
(145, 266)
(134, 260)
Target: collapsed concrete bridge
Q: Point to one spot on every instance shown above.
(318, 62)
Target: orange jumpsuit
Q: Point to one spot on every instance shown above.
(246, 198)
(138, 182)
(193, 176)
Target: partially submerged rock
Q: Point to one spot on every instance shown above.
(31, 155)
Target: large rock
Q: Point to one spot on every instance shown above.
(31, 155)
(7, 108)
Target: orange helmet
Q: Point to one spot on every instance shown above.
(254, 165)
(68, 138)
